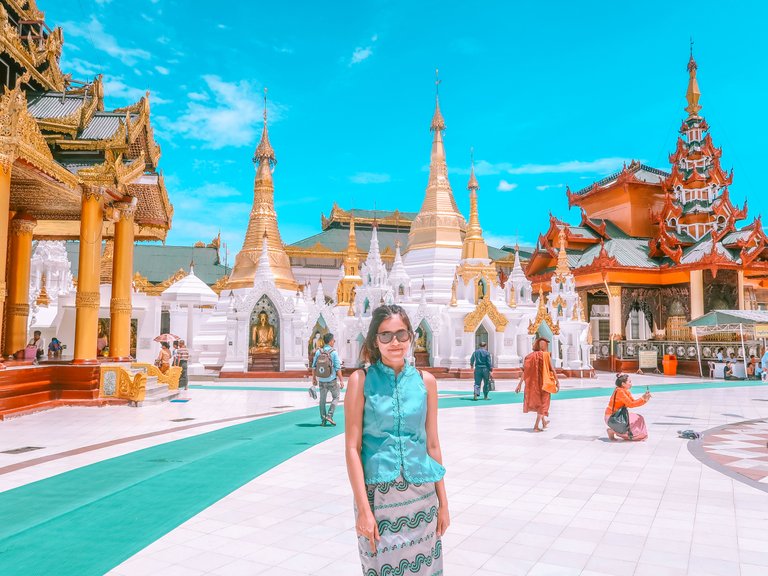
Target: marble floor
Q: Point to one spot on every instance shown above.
(563, 502)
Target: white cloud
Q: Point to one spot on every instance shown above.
(283, 49)
(164, 40)
(548, 186)
(81, 68)
(230, 116)
(505, 186)
(360, 54)
(198, 96)
(94, 32)
(162, 70)
(598, 166)
(369, 178)
(115, 88)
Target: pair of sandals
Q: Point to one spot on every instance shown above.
(327, 420)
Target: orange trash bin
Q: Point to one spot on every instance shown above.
(670, 365)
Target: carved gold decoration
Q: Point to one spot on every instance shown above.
(220, 284)
(471, 273)
(454, 286)
(120, 306)
(28, 56)
(512, 300)
(170, 378)
(20, 137)
(18, 309)
(562, 269)
(22, 226)
(485, 308)
(614, 291)
(117, 382)
(113, 172)
(43, 300)
(87, 300)
(542, 315)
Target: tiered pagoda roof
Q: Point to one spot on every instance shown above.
(645, 219)
(65, 138)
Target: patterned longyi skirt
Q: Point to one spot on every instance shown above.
(406, 515)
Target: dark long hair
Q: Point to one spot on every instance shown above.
(621, 378)
(370, 350)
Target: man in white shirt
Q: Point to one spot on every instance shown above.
(38, 342)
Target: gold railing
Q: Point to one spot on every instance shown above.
(170, 378)
(117, 382)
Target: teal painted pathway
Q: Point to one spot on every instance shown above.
(89, 520)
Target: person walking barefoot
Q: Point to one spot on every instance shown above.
(540, 381)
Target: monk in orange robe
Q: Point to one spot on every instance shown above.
(540, 382)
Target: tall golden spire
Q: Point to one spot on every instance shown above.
(345, 291)
(439, 222)
(562, 269)
(474, 245)
(693, 94)
(263, 222)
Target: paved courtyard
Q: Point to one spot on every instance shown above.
(242, 480)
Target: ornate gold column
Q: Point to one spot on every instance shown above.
(87, 300)
(614, 311)
(17, 310)
(697, 294)
(5, 198)
(741, 290)
(122, 273)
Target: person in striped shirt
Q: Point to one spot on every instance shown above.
(182, 357)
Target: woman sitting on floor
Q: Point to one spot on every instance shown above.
(622, 398)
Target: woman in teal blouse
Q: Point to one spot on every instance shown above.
(393, 454)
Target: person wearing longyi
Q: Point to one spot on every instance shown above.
(393, 454)
(622, 398)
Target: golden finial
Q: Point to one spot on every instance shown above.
(692, 94)
(42, 298)
(438, 124)
(562, 269)
(264, 150)
(472, 185)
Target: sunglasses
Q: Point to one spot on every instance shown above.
(386, 337)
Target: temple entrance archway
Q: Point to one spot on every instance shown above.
(422, 345)
(481, 335)
(264, 337)
(315, 342)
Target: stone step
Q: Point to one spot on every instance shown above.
(158, 396)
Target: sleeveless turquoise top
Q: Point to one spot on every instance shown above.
(394, 427)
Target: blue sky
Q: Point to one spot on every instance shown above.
(547, 93)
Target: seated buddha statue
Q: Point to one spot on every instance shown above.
(263, 336)
(420, 345)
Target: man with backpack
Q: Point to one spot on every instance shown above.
(481, 363)
(326, 371)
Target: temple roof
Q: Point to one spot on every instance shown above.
(641, 172)
(53, 104)
(103, 125)
(157, 262)
(335, 240)
(365, 218)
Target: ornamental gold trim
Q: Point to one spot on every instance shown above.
(87, 300)
(18, 309)
(485, 308)
(20, 226)
(120, 306)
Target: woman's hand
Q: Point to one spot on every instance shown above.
(366, 526)
(647, 396)
(443, 520)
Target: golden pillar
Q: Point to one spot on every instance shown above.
(122, 274)
(697, 294)
(614, 312)
(87, 300)
(5, 198)
(17, 310)
(742, 300)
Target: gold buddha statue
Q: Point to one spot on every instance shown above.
(420, 345)
(263, 335)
